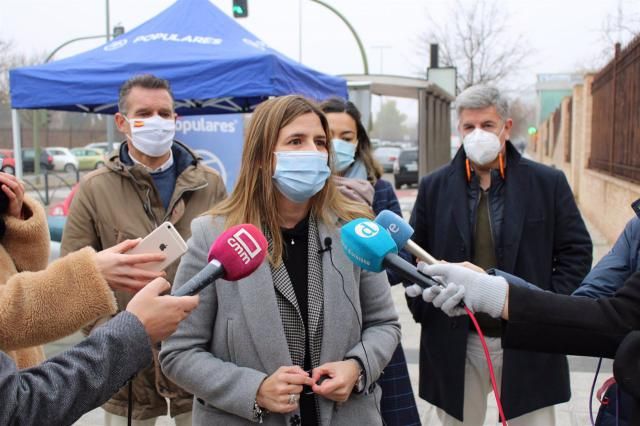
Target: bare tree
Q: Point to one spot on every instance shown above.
(9, 59)
(475, 38)
(620, 26)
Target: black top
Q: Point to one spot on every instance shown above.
(296, 260)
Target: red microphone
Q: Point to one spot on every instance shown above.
(235, 254)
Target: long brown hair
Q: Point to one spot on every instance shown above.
(253, 199)
(363, 151)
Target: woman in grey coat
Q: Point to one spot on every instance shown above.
(303, 339)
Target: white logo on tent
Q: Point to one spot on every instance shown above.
(258, 44)
(116, 45)
(177, 38)
(212, 160)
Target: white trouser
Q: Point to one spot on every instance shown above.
(477, 387)
(113, 420)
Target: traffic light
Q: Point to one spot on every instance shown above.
(532, 130)
(240, 8)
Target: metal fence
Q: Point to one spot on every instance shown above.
(567, 140)
(615, 139)
(55, 137)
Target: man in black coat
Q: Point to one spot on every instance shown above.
(498, 210)
(544, 321)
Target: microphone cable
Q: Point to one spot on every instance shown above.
(593, 388)
(492, 376)
(130, 404)
(327, 243)
(503, 419)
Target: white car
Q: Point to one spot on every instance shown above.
(63, 159)
(105, 147)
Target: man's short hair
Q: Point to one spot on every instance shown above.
(146, 81)
(481, 96)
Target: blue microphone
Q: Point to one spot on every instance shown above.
(401, 233)
(369, 246)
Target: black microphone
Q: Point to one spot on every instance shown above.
(407, 271)
(327, 245)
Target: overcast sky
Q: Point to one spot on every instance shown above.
(563, 34)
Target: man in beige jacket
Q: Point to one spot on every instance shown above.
(149, 180)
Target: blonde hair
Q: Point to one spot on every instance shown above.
(253, 199)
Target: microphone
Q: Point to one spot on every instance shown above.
(235, 254)
(370, 247)
(327, 245)
(401, 233)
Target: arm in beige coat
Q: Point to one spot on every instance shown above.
(38, 307)
(26, 240)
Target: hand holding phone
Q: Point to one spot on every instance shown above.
(164, 239)
(121, 271)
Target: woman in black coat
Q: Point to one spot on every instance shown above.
(549, 322)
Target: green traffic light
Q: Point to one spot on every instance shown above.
(238, 10)
(532, 130)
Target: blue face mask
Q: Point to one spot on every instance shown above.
(300, 175)
(344, 154)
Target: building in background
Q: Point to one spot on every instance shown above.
(551, 89)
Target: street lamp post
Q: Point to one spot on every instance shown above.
(363, 53)
(381, 56)
(110, 123)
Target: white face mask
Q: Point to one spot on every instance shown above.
(152, 136)
(482, 147)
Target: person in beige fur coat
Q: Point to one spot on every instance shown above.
(39, 304)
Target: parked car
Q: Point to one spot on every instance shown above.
(28, 154)
(88, 159)
(406, 168)
(57, 216)
(105, 147)
(63, 159)
(8, 162)
(386, 156)
(62, 208)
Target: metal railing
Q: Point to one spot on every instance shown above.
(51, 182)
(615, 141)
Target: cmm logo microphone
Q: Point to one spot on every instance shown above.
(245, 245)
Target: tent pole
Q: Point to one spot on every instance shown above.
(17, 142)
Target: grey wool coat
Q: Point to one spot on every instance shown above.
(234, 339)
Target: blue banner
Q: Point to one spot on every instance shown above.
(217, 139)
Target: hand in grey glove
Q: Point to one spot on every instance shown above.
(447, 299)
(481, 292)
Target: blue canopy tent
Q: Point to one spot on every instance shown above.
(213, 64)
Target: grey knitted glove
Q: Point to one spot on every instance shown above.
(482, 292)
(447, 299)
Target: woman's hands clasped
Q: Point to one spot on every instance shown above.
(280, 392)
(342, 377)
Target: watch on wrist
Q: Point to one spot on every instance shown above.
(360, 383)
(358, 387)
(258, 412)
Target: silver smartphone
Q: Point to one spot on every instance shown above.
(164, 239)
